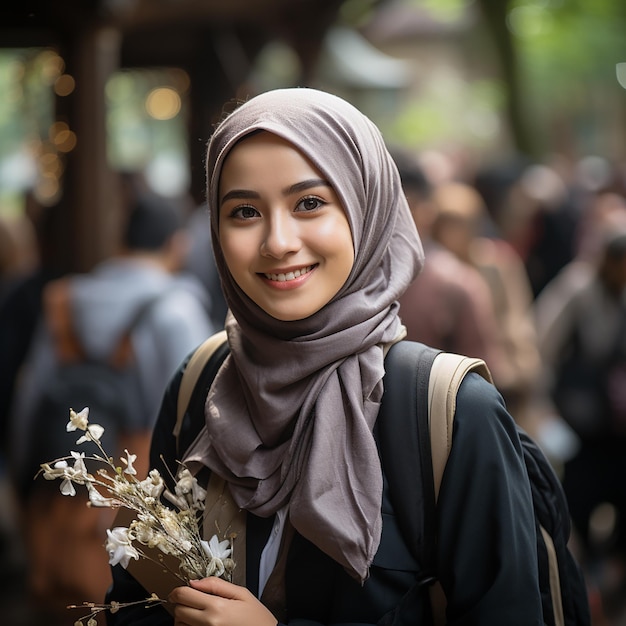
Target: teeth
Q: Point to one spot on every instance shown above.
(289, 275)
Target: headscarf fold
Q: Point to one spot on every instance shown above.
(289, 417)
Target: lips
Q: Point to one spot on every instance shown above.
(287, 276)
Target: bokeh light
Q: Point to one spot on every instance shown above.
(163, 103)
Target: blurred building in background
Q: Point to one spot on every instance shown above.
(85, 57)
(93, 87)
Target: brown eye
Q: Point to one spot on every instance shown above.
(244, 212)
(310, 203)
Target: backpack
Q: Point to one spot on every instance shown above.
(111, 388)
(426, 380)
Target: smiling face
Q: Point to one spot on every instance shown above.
(283, 232)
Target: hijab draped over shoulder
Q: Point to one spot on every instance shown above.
(290, 415)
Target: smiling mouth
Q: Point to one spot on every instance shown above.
(283, 278)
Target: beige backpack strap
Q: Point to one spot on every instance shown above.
(192, 372)
(57, 309)
(446, 375)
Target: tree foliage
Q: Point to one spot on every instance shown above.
(565, 57)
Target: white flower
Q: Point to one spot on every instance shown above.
(93, 433)
(67, 488)
(179, 503)
(218, 551)
(61, 470)
(216, 548)
(177, 533)
(98, 500)
(160, 541)
(119, 547)
(144, 533)
(76, 474)
(153, 485)
(79, 472)
(78, 420)
(188, 493)
(52, 473)
(128, 461)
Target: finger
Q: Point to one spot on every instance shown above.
(186, 616)
(219, 587)
(187, 596)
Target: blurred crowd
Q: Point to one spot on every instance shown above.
(525, 268)
(140, 312)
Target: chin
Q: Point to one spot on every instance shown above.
(290, 316)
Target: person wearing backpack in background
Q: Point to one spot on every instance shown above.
(109, 339)
(314, 243)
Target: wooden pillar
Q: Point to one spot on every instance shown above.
(91, 191)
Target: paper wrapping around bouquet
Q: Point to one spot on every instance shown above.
(221, 518)
(154, 578)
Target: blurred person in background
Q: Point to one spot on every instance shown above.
(581, 324)
(20, 305)
(199, 261)
(534, 208)
(20, 309)
(448, 306)
(460, 226)
(18, 263)
(18, 251)
(63, 537)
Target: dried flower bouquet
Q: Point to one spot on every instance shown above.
(171, 537)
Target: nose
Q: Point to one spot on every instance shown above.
(281, 237)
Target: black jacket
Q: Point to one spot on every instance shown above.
(486, 554)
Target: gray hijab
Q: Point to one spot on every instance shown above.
(290, 415)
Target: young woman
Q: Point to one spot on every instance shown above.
(314, 243)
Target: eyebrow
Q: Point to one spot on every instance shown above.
(239, 194)
(306, 184)
(242, 194)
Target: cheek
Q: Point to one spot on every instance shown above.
(236, 251)
(338, 251)
(335, 237)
